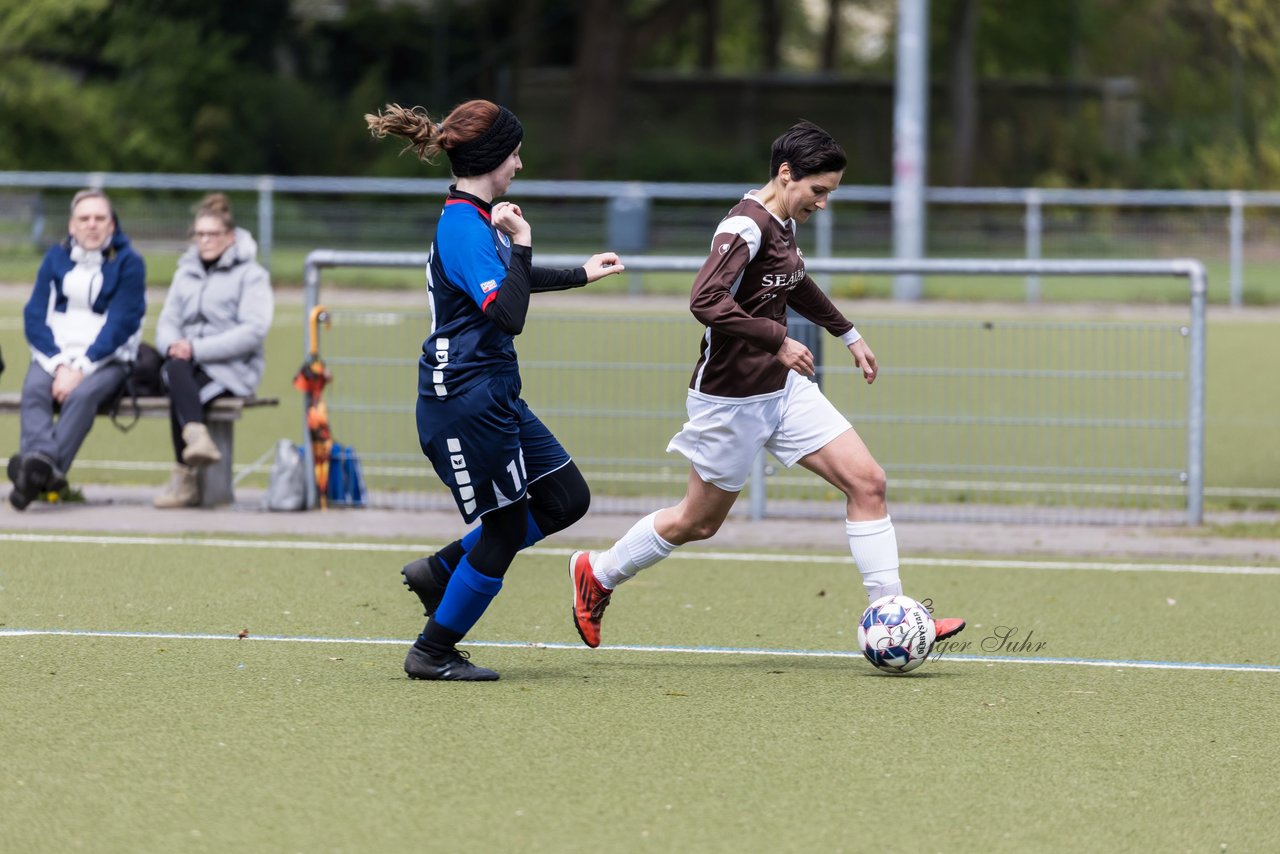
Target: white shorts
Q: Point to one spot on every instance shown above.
(722, 437)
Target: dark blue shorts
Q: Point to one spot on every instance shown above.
(486, 444)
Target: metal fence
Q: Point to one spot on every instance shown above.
(974, 419)
(1234, 229)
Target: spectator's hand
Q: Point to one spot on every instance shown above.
(795, 356)
(181, 349)
(865, 359)
(604, 264)
(65, 380)
(507, 218)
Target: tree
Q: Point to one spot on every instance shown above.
(962, 35)
(38, 93)
(189, 85)
(709, 35)
(831, 38)
(610, 34)
(771, 34)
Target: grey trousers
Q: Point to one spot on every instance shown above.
(60, 439)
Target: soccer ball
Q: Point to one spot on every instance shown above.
(896, 634)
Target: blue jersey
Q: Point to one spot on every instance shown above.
(468, 263)
(485, 443)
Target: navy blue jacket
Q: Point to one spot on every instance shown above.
(124, 278)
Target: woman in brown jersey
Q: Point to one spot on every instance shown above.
(752, 389)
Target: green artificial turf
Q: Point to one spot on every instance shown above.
(154, 743)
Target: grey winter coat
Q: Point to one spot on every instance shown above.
(225, 314)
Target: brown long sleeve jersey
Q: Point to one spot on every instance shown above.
(741, 296)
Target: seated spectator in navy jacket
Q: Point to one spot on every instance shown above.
(83, 324)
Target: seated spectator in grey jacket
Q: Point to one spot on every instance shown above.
(211, 333)
(83, 324)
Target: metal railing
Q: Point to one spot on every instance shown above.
(629, 217)
(1065, 476)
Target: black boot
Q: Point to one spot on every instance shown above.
(451, 665)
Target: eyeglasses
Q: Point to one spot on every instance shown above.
(207, 235)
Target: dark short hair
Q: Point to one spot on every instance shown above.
(809, 149)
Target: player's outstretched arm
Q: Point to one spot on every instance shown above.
(594, 268)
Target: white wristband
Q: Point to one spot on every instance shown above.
(851, 336)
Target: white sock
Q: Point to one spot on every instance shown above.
(640, 547)
(875, 549)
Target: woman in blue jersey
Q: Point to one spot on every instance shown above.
(503, 466)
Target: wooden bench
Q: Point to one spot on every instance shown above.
(215, 480)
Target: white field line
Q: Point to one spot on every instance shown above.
(918, 483)
(1119, 664)
(691, 554)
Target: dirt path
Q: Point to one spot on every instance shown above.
(126, 510)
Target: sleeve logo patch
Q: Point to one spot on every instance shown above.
(724, 247)
(490, 285)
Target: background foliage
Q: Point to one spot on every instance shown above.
(279, 87)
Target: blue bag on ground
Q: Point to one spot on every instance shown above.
(346, 480)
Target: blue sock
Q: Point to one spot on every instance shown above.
(532, 535)
(465, 599)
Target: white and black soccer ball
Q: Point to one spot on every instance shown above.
(896, 634)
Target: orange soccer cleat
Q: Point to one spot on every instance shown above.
(944, 627)
(947, 627)
(589, 598)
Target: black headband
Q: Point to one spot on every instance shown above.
(487, 151)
